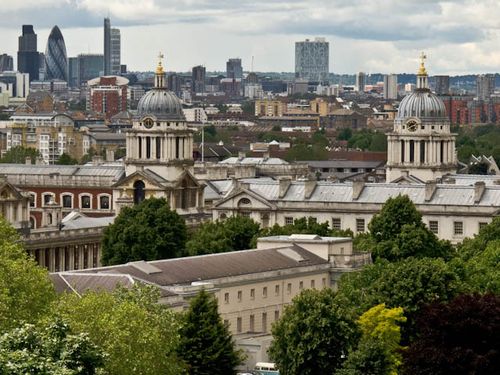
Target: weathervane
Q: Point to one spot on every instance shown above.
(159, 68)
(422, 70)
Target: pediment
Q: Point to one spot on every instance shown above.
(240, 197)
(149, 180)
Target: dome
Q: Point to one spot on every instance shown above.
(422, 104)
(161, 103)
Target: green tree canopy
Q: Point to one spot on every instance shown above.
(25, 289)
(312, 335)
(231, 234)
(206, 345)
(65, 159)
(458, 337)
(138, 334)
(409, 284)
(147, 231)
(18, 155)
(50, 350)
(370, 358)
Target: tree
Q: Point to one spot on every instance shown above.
(458, 337)
(370, 358)
(25, 289)
(49, 350)
(483, 270)
(65, 159)
(231, 234)
(138, 334)
(206, 345)
(471, 247)
(410, 284)
(344, 134)
(312, 336)
(18, 155)
(147, 231)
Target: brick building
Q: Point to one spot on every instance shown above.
(108, 95)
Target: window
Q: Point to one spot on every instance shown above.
(288, 220)
(85, 201)
(458, 228)
(104, 202)
(482, 225)
(276, 315)
(67, 201)
(47, 198)
(252, 323)
(238, 325)
(264, 292)
(264, 322)
(301, 285)
(313, 284)
(434, 226)
(226, 297)
(277, 290)
(240, 295)
(32, 200)
(252, 293)
(360, 225)
(336, 223)
(289, 288)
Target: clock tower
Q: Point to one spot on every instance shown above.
(421, 144)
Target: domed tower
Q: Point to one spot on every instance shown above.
(421, 144)
(160, 139)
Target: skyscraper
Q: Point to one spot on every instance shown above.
(485, 86)
(89, 66)
(390, 86)
(27, 54)
(442, 85)
(198, 79)
(360, 81)
(234, 69)
(312, 60)
(107, 47)
(56, 61)
(115, 51)
(6, 63)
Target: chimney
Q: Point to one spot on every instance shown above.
(27, 161)
(241, 155)
(479, 189)
(284, 184)
(357, 189)
(110, 155)
(309, 187)
(97, 160)
(39, 161)
(430, 189)
(265, 156)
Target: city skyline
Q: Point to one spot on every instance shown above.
(459, 37)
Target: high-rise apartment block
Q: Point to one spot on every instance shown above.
(107, 47)
(108, 95)
(6, 63)
(115, 51)
(312, 60)
(28, 60)
(390, 86)
(234, 68)
(360, 81)
(442, 85)
(56, 61)
(485, 86)
(198, 79)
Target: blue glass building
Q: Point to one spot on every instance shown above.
(56, 61)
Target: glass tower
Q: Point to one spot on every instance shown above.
(56, 61)
(312, 60)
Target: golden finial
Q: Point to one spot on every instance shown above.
(422, 71)
(159, 68)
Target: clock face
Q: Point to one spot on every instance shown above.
(412, 125)
(148, 123)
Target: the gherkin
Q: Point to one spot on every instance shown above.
(56, 61)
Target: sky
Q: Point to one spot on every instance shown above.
(374, 36)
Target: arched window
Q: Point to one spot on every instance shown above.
(244, 202)
(104, 202)
(67, 200)
(85, 201)
(139, 193)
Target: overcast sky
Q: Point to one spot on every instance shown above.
(459, 36)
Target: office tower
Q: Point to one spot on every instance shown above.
(174, 83)
(485, 86)
(6, 63)
(27, 54)
(56, 61)
(234, 69)
(442, 85)
(198, 79)
(390, 86)
(360, 82)
(312, 60)
(73, 72)
(107, 47)
(115, 51)
(89, 67)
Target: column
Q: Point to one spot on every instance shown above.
(181, 148)
(451, 152)
(171, 154)
(445, 152)
(416, 152)
(407, 152)
(153, 147)
(144, 148)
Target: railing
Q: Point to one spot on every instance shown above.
(351, 261)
